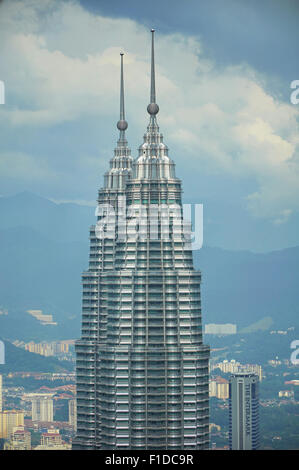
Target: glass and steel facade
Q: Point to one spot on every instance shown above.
(244, 432)
(142, 367)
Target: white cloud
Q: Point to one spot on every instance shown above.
(61, 63)
(80, 202)
(22, 166)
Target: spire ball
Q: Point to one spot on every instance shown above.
(122, 125)
(153, 109)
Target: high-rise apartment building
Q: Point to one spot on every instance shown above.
(220, 329)
(234, 366)
(219, 388)
(73, 413)
(142, 367)
(244, 411)
(9, 419)
(42, 408)
(1, 392)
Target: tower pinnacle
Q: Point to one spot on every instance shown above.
(122, 124)
(153, 108)
(121, 163)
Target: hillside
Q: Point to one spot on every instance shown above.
(18, 360)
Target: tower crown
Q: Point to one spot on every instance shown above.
(153, 161)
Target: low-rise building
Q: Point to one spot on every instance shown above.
(52, 440)
(20, 439)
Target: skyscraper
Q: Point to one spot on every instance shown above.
(244, 411)
(142, 368)
(73, 413)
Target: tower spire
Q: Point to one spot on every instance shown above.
(153, 85)
(121, 163)
(153, 108)
(122, 124)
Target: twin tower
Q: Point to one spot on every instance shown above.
(141, 366)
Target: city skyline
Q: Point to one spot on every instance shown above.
(149, 297)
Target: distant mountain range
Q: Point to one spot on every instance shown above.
(44, 249)
(243, 287)
(65, 222)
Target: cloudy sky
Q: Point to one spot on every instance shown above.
(223, 70)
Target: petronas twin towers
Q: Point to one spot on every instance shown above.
(142, 368)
